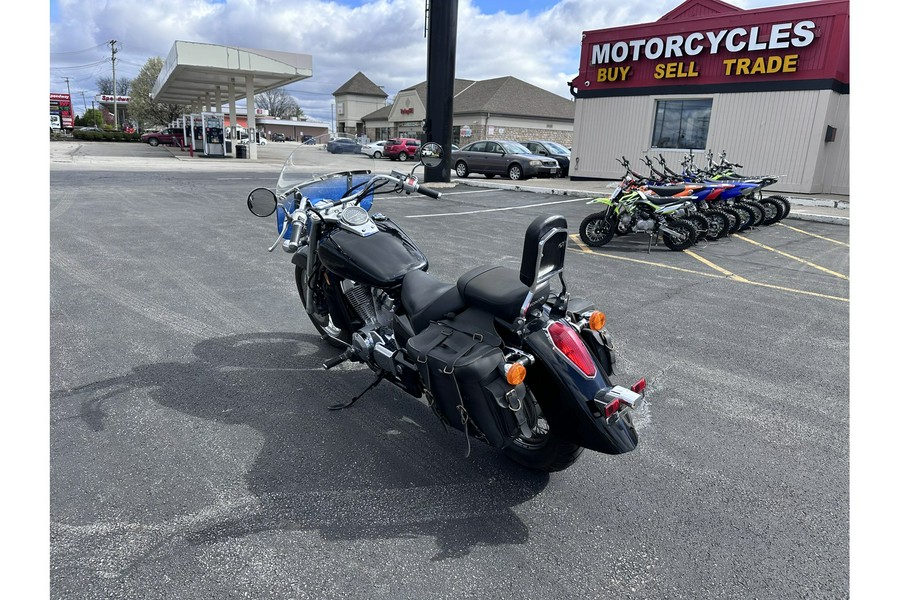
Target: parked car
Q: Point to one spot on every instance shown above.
(502, 157)
(343, 146)
(166, 137)
(278, 137)
(375, 149)
(401, 149)
(553, 150)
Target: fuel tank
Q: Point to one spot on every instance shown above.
(379, 260)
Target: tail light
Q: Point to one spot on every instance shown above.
(568, 342)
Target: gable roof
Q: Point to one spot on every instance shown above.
(381, 114)
(360, 85)
(692, 9)
(503, 95)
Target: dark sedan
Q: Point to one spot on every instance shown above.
(343, 146)
(553, 150)
(501, 157)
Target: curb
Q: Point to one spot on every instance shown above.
(840, 205)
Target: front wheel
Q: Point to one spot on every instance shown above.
(684, 235)
(153, 142)
(597, 229)
(376, 155)
(321, 319)
(515, 173)
(544, 450)
(462, 169)
(403, 156)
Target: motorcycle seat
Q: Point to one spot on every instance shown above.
(497, 290)
(427, 299)
(667, 190)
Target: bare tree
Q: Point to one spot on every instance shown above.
(105, 86)
(279, 103)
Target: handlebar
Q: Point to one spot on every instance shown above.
(429, 192)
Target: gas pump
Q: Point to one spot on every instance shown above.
(195, 128)
(213, 134)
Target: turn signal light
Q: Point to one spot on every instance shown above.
(611, 408)
(515, 374)
(638, 387)
(597, 321)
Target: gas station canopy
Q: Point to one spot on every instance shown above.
(194, 71)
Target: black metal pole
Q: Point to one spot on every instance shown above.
(438, 127)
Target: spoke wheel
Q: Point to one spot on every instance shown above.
(596, 229)
(543, 450)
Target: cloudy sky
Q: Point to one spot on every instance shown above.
(537, 41)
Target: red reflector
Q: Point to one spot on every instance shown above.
(611, 408)
(567, 341)
(638, 387)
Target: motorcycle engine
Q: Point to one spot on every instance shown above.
(374, 341)
(624, 223)
(644, 224)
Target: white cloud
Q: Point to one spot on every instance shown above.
(384, 39)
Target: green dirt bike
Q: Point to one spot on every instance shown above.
(630, 210)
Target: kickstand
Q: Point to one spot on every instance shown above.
(357, 397)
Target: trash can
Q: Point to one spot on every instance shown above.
(241, 151)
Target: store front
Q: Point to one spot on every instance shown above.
(770, 86)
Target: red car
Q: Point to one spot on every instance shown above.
(401, 148)
(167, 137)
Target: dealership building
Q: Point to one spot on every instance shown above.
(769, 86)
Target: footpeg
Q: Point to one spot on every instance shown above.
(333, 362)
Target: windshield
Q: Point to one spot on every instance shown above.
(317, 185)
(554, 147)
(515, 148)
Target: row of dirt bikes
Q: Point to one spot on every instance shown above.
(504, 356)
(684, 208)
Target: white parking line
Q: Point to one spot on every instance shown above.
(488, 210)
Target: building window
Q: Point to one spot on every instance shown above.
(682, 124)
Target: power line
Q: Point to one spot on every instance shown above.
(77, 51)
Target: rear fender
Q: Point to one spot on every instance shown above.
(567, 399)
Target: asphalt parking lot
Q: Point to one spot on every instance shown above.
(192, 454)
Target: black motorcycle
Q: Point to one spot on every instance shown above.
(496, 354)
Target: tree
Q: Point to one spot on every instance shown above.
(92, 118)
(145, 111)
(105, 86)
(279, 103)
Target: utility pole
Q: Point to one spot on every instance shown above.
(83, 101)
(112, 44)
(441, 30)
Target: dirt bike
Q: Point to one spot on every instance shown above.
(629, 209)
(504, 356)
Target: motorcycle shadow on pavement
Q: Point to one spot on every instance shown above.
(381, 469)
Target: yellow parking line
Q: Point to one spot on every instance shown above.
(711, 265)
(821, 237)
(725, 273)
(588, 250)
(805, 262)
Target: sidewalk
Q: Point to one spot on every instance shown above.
(825, 208)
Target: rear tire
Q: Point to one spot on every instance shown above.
(784, 202)
(718, 224)
(545, 451)
(745, 216)
(701, 223)
(377, 154)
(596, 229)
(687, 234)
(321, 320)
(774, 211)
(758, 210)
